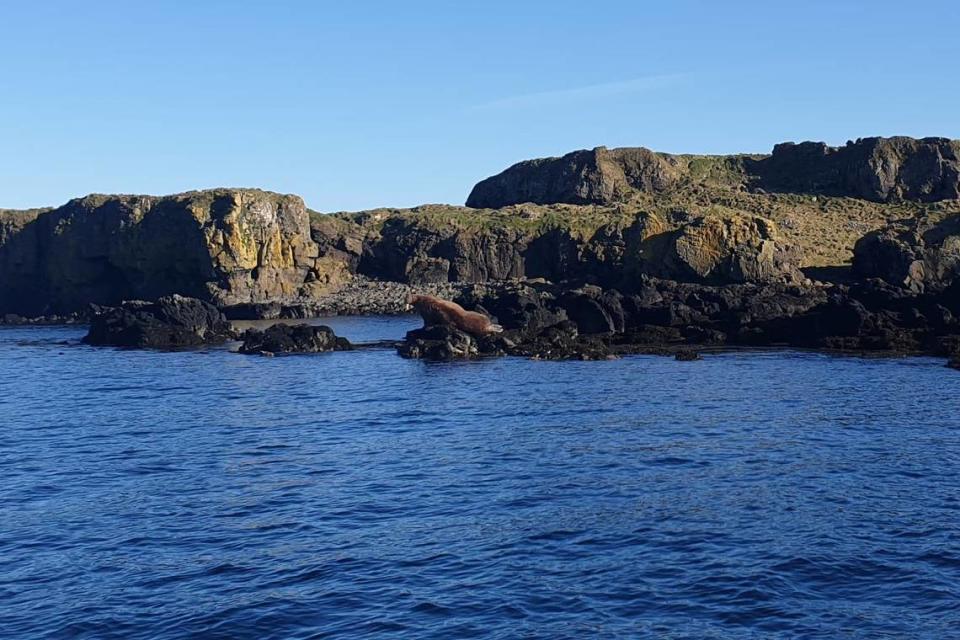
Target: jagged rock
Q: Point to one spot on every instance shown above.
(593, 310)
(171, 321)
(562, 342)
(286, 338)
(919, 255)
(664, 315)
(518, 308)
(878, 169)
(442, 342)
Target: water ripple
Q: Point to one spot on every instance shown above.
(211, 495)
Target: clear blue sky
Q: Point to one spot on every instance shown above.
(361, 104)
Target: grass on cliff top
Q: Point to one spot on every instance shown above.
(526, 218)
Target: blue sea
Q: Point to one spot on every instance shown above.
(207, 494)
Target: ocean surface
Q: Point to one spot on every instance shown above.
(207, 494)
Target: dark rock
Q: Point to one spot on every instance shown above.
(593, 310)
(522, 308)
(441, 342)
(253, 311)
(663, 315)
(918, 255)
(878, 169)
(286, 338)
(687, 356)
(171, 321)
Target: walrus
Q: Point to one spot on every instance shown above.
(437, 311)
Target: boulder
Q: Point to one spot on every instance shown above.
(287, 338)
(724, 249)
(170, 321)
(443, 342)
(594, 310)
(518, 307)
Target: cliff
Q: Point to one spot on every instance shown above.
(875, 169)
(227, 246)
(611, 217)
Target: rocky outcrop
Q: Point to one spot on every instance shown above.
(922, 254)
(664, 316)
(875, 169)
(171, 321)
(721, 248)
(596, 176)
(878, 169)
(285, 338)
(414, 251)
(227, 246)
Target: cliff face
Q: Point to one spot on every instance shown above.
(225, 246)
(875, 169)
(921, 255)
(429, 246)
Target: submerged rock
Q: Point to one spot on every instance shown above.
(170, 321)
(286, 338)
(443, 342)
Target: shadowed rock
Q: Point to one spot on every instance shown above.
(171, 321)
(300, 338)
(920, 254)
(877, 169)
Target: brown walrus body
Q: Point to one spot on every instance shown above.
(436, 311)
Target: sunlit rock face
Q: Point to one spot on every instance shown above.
(227, 246)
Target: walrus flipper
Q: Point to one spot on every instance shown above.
(495, 328)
